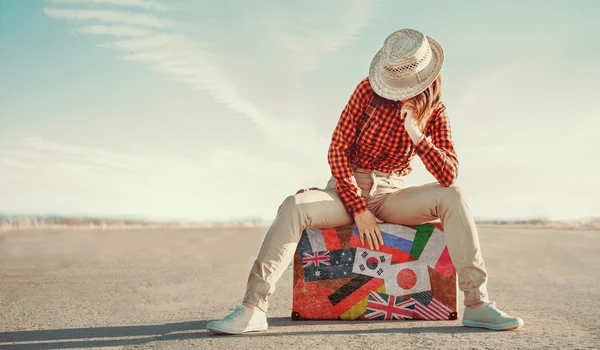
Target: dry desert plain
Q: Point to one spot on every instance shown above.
(156, 288)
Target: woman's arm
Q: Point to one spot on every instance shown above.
(342, 138)
(438, 155)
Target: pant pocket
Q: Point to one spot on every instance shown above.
(385, 185)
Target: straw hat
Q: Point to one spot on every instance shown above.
(406, 65)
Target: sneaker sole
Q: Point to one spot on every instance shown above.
(497, 327)
(228, 330)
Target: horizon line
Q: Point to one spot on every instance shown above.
(249, 219)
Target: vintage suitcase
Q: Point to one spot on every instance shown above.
(410, 277)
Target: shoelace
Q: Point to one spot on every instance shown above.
(238, 310)
(492, 306)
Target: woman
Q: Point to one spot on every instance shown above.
(393, 114)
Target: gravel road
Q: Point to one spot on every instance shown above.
(158, 288)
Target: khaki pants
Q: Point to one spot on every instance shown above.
(390, 201)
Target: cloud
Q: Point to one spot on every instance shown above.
(181, 50)
(166, 46)
(23, 155)
(118, 31)
(511, 129)
(180, 59)
(149, 5)
(101, 182)
(174, 55)
(109, 16)
(478, 88)
(12, 162)
(141, 44)
(57, 153)
(327, 29)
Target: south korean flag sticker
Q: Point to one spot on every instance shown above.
(371, 263)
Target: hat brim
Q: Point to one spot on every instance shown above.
(404, 93)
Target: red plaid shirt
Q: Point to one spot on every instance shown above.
(385, 145)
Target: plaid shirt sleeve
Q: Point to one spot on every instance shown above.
(342, 138)
(438, 155)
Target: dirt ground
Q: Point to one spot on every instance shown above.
(158, 288)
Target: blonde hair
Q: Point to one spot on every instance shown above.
(425, 103)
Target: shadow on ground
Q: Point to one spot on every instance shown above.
(130, 335)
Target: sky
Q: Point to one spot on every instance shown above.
(219, 110)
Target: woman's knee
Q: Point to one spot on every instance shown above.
(452, 193)
(289, 204)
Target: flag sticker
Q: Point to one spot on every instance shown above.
(428, 307)
(328, 265)
(371, 263)
(388, 307)
(407, 278)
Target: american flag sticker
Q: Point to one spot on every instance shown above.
(429, 307)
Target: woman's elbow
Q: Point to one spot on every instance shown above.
(449, 178)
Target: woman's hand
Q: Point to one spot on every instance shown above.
(410, 124)
(367, 226)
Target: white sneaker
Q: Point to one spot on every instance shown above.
(241, 320)
(489, 316)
